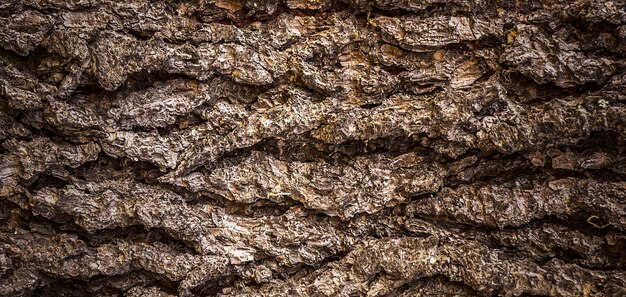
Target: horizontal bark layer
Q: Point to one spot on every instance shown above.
(312, 148)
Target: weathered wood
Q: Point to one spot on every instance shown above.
(312, 148)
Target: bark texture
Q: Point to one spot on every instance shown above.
(312, 148)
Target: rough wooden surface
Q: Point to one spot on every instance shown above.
(312, 148)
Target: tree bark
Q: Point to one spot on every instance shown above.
(312, 148)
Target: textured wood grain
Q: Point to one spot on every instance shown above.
(312, 148)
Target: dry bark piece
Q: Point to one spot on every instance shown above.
(506, 206)
(121, 203)
(312, 148)
(372, 269)
(535, 55)
(364, 185)
(431, 33)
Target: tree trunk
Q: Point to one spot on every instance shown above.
(312, 148)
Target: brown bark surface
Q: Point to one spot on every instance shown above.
(312, 148)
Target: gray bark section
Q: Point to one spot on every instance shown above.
(312, 148)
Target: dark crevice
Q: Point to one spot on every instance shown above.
(43, 180)
(305, 149)
(144, 79)
(455, 287)
(370, 105)
(527, 91)
(603, 141)
(576, 221)
(182, 122)
(495, 168)
(372, 10)
(134, 233)
(111, 168)
(139, 35)
(486, 42)
(103, 285)
(394, 69)
(215, 286)
(138, 234)
(89, 85)
(260, 208)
